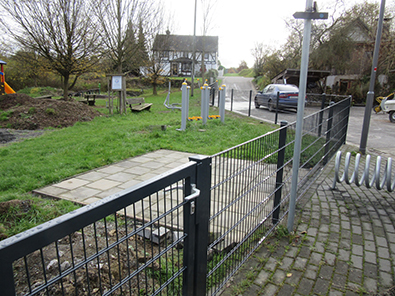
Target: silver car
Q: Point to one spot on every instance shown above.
(288, 97)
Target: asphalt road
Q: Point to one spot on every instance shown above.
(381, 134)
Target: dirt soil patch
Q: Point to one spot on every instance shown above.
(21, 112)
(83, 264)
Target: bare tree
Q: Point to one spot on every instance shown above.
(64, 32)
(208, 10)
(122, 23)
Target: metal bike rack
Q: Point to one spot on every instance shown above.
(387, 180)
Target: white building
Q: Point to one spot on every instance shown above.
(175, 53)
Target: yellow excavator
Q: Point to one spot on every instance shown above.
(4, 87)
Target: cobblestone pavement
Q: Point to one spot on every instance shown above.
(343, 244)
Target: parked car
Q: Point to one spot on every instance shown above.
(288, 97)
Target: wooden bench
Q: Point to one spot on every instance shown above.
(44, 97)
(138, 104)
(90, 99)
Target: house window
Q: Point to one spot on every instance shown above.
(186, 67)
(185, 54)
(164, 54)
(206, 57)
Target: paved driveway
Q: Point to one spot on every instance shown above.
(381, 137)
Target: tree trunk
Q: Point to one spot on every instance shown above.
(155, 92)
(66, 86)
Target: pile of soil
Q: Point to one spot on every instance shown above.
(21, 112)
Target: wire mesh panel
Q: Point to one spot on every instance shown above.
(242, 192)
(130, 243)
(251, 184)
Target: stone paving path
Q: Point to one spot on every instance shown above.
(99, 183)
(344, 244)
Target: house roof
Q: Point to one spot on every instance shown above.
(185, 43)
(292, 76)
(358, 31)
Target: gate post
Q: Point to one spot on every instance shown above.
(280, 170)
(202, 217)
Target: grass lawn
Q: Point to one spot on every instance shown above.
(62, 153)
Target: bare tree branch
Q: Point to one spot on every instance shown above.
(64, 32)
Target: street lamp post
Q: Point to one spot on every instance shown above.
(370, 95)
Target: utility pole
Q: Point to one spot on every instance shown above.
(194, 51)
(370, 95)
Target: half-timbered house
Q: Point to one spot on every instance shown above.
(175, 53)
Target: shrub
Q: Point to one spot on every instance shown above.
(50, 111)
(5, 115)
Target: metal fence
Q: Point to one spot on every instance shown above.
(185, 232)
(137, 242)
(251, 186)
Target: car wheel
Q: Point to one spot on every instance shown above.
(270, 105)
(392, 116)
(256, 104)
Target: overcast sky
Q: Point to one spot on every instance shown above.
(241, 24)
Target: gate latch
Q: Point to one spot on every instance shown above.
(195, 193)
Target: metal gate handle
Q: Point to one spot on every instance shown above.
(195, 193)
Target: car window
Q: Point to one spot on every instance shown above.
(265, 89)
(271, 89)
(286, 87)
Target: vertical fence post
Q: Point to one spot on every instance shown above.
(231, 100)
(328, 133)
(219, 97)
(249, 104)
(222, 103)
(323, 99)
(202, 211)
(278, 99)
(6, 277)
(280, 171)
(348, 118)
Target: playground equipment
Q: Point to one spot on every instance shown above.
(205, 101)
(387, 179)
(184, 106)
(4, 87)
(167, 101)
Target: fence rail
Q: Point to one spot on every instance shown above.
(185, 232)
